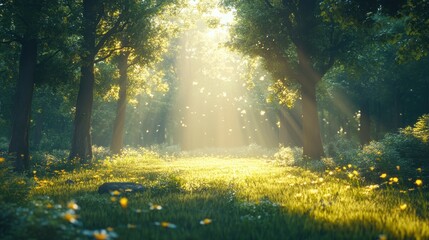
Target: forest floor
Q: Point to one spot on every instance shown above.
(211, 197)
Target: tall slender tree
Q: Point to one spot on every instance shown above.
(101, 21)
(27, 23)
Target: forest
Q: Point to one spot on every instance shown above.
(220, 119)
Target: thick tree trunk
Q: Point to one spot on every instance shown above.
(81, 143)
(365, 124)
(308, 78)
(312, 141)
(118, 127)
(19, 146)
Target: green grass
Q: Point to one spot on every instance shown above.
(246, 198)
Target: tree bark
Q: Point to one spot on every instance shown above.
(19, 146)
(118, 127)
(312, 142)
(308, 78)
(81, 143)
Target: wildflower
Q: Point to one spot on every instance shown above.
(115, 193)
(394, 179)
(350, 175)
(72, 205)
(331, 173)
(349, 165)
(101, 234)
(123, 202)
(166, 224)
(356, 173)
(2, 159)
(418, 182)
(403, 206)
(205, 221)
(155, 207)
(113, 199)
(372, 168)
(384, 175)
(398, 167)
(419, 170)
(70, 216)
(382, 237)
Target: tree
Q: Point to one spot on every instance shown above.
(299, 42)
(101, 21)
(28, 23)
(296, 46)
(142, 42)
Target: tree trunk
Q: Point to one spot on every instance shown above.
(19, 146)
(312, 142)
(308, 78)
(118, 127)
(365, 124)
(81, 142)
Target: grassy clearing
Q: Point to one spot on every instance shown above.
(219, 198)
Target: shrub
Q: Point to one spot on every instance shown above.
(404, 154)
(287, 156)
(343, 150)
(14, 188)
(420, 129)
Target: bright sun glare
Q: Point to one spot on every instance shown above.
(213, 105)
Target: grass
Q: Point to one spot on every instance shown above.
(218, 198)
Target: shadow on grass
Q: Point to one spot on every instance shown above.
(231, 218)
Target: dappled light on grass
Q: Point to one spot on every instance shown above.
(248, 198)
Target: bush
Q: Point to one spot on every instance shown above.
(420, 129)
(404, 154)
(343, 150)
(14, 188)
(287, 156)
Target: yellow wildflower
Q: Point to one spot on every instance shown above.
(394, 179)
(356, 173)
(372, 168)
(398, 168)
(382, 237)
(166, 224)
(100, 235)
(155, 207)
(403, 206)
(2, 159)
(418, 182)
(123, 202)
(115, 193)
(384, 175)
(205, 221)
(349, 166)
(72, 205)
(70, 216)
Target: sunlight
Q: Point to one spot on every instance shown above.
(225, 17)
(213, 107)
